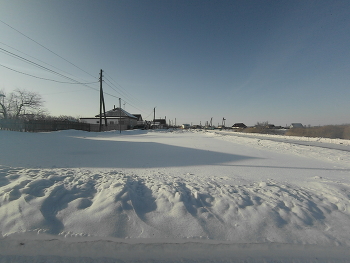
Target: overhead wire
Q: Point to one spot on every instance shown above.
(110, 84)
(64, 82)
(124, 99)
(34, 58)
(59, 74)
(50, 70)
(33, 63)
(44, 68)
(148, 115)
(117, 84)
(45, 47)
(121, 92)
(128, 102)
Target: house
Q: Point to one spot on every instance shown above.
(159, 124)
(140, 124)
(115, 117)
(239, 126)
(296, 125)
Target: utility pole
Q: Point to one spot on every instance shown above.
(120, 115)
(102, 103)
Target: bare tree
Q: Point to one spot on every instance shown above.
(3, 110)
(22, 103)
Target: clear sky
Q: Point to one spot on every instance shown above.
(246, 61)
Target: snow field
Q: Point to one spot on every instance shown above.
(341, 157)
(198, 191)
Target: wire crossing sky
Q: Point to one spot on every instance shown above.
(245, 61)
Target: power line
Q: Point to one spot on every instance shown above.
(53, 93)
(109, 85)
(34, 63)
(52, 71)
(116, 83)
(123, 99)
(46, 78)
(45, 48)
(122, 93)
(34, 58)
(149, 115)
(45, 68)
(134, 106)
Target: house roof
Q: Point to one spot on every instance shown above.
(296, 125)
(239, 125)
(116, 112)
(161, 121)
(138, 116)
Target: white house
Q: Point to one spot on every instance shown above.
(115, 117)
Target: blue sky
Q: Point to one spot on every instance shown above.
(246, 61)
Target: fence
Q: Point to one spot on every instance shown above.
(45, 126)
(110, 127)
(41, 125)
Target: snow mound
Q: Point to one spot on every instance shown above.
(110, 203)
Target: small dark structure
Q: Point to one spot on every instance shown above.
(239, 126)
(159, 124)
(296, 125)
(140, 124)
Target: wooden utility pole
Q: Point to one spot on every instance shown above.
(120, 115)
(102, 103)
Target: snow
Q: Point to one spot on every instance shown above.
(171, 196)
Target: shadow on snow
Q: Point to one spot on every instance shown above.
(52, 151)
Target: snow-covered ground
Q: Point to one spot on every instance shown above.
(171, 196)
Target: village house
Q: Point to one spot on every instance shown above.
(296, 125)
(239, 126)
(115, 117)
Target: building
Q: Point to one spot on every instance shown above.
(239, 126)
(296, 125)
(115, 117)
(140, 124)
(159, 124)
